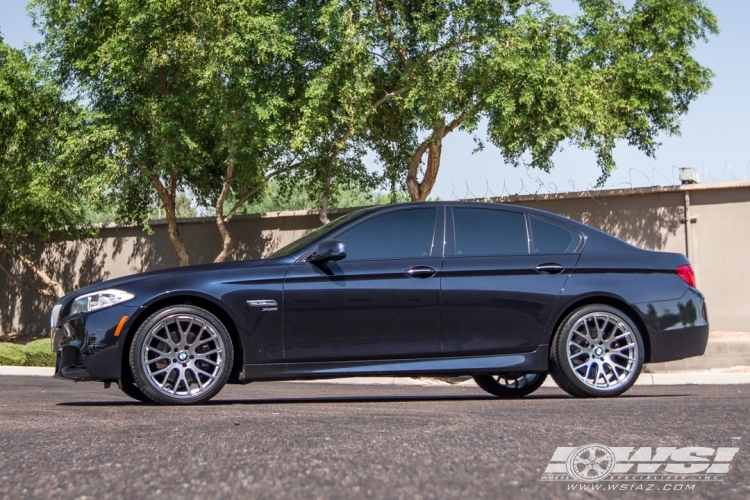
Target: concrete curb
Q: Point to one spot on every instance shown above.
(720, 353)
(674, 378)
(28, 371)
(696, 378)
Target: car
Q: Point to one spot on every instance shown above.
(501, 293)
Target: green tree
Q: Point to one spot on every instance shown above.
(344, 86)
(50, 163)
(138, 70)
(196, 92)
(220, 98)
(184, 207)
(254, 78)
(273, 199)
(539, 79)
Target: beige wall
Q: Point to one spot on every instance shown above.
(651, 218)
(720, 243)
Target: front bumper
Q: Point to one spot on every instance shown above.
(70, 364)
(678, 328)
(87, 347)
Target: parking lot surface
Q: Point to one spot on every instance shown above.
(313, 440)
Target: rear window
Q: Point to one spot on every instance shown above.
(548, 237)
(483, 231)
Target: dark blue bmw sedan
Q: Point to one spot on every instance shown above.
(501, 293)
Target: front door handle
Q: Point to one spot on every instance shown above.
(421, 272)
(550, 268)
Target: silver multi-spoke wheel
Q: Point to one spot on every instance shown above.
(510, 385)
(181, 355)
(516, 381)
(598, 351)
(602, 350)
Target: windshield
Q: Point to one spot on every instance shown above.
(312, 235)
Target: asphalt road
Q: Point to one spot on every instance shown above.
(293, 440)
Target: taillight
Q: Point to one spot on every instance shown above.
(686, 273)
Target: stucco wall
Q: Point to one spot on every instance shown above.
(651, 218)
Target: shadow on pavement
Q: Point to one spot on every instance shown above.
(370, 399)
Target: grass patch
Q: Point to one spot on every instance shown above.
(39, 353)
(36, 353)
(12, 354)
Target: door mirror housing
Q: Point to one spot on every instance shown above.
(328, 251)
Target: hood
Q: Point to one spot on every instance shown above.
(172, 271)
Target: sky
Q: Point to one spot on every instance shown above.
(715, 138)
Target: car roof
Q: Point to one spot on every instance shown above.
(483, 204)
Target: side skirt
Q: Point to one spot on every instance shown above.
(527, 362)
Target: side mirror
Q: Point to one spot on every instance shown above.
(330, 250)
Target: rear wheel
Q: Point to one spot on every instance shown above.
(511, 385)
(181, 355)
(597, 352)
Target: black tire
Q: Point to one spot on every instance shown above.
(181, 355)
(511, 385)
(596, 342)
(130, 389)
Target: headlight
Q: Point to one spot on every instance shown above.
(99, 300)
(54, 316)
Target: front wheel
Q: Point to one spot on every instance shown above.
(181, 355)
(511, 385)
(127, 386)
(597, 352)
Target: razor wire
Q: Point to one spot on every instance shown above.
(637, 178)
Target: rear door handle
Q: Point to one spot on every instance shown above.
(421, 272)
(550, 268)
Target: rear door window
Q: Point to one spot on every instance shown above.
(551, 238)
(392, 235)
(485, 231)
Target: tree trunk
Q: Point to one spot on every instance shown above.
(324, 198)
(419, 191)
(221, 222)
(323, 214)
(52, 289)
(167, 197)
(433, 146)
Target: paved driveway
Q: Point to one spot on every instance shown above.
(299, 440)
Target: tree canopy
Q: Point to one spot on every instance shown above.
(218, 98)
(51, 163)
(539, 79)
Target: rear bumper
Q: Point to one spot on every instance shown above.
(678, 328)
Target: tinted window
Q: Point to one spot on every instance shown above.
(548, 237)
(489, 232)
(317, 233)
(399, 234)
